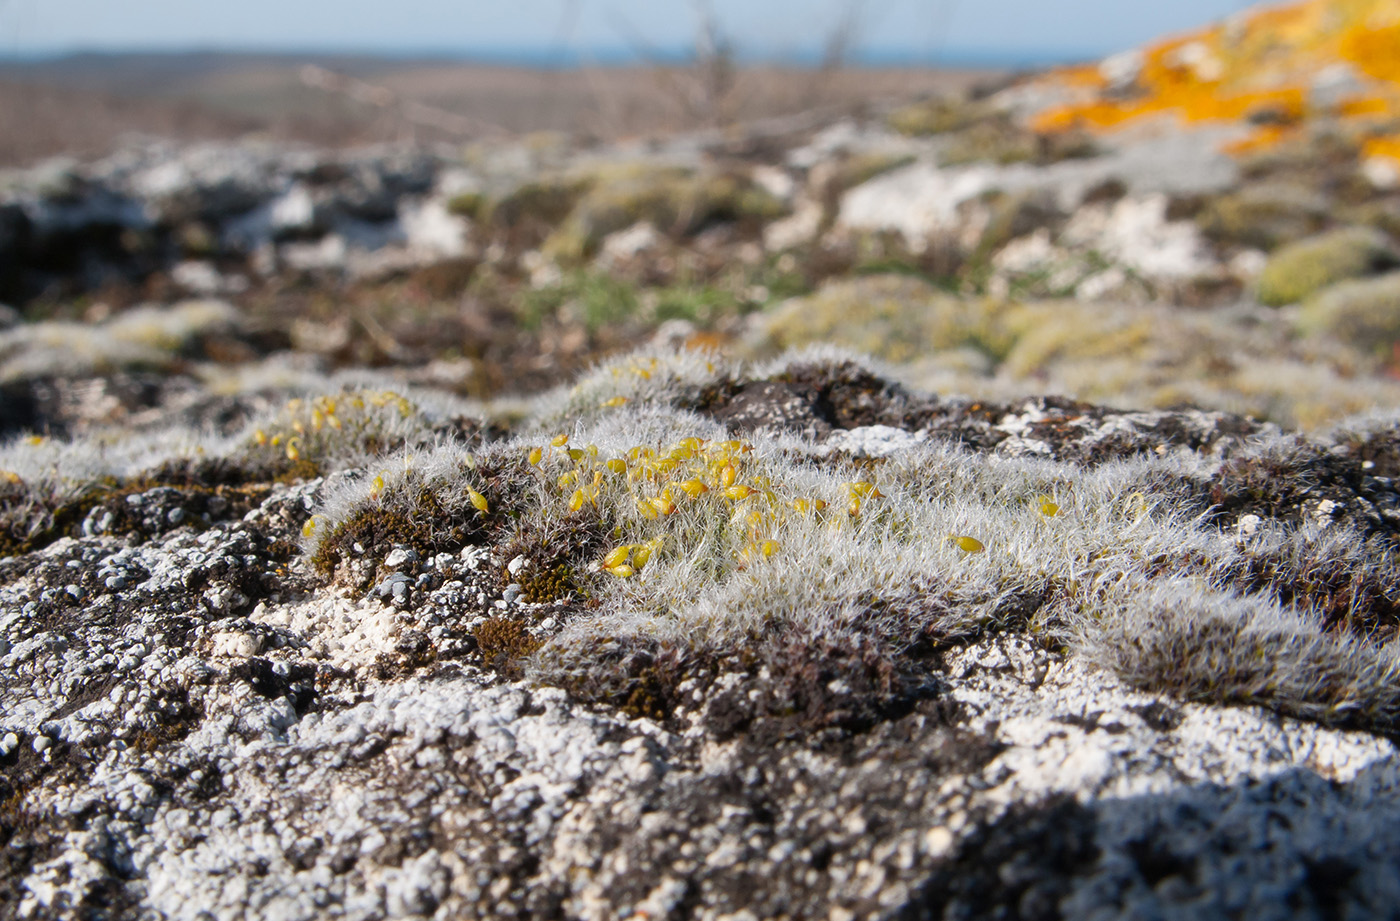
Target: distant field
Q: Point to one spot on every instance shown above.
(84, 104)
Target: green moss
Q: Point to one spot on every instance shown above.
(862, 168)
(893, 317)
(547, 201)
(1001, 140)
(1012, 215)
(1264, 215)
(675, 200)
(701, 305)
(468, 204)
(937, 115)
(1300, 269)
(594, 299)
(1363, 313)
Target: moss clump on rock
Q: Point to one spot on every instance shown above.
(438, 504)
(938, 115)
(675, 200)
(1300, 269)
(1264, 215)
(893, 317)
(1363, 313)
(1000, 139)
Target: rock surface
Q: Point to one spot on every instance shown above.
(197, 723)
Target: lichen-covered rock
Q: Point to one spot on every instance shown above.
(1298, 270)
(797, 640)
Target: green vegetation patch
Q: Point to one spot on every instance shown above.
(1265, 215)
(1297, 270)
(1363, 313)
(676, 201)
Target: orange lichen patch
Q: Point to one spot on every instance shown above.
(1375, 51)
(1367, 106)
(1263, 67)
(1263, 139)
(1387, 147)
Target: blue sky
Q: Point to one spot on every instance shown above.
(919, 27)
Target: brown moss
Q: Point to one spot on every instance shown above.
(503, 642)
(543, 587)
(423, 523)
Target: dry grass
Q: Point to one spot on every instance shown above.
(47, 111)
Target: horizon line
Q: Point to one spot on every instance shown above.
(555, 58)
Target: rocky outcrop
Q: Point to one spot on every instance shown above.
(328, 668)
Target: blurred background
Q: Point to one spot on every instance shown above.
(1145, 205)
(74, 74)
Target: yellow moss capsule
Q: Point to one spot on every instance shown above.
(11, 477)
(623, 572)
(293, 452)
(575, 454)
(576, 500)
(260, 437)
(691, 444)
(1047, 508)
(769, 547)
(276, 441)
(478, 500)
(310, 527)
(738, 493)
(853, 507)
(643, 553)
(376, 487)
(663, 504)
(614, 402)
(967, 544)
(617, 556)
(647, 510)
(801, 505)
(559, 440)
(568, 479)
(864, 489)
(617, 465)
(333, 421)
(818, 505)
(535, 456)
(727, 475)
(693, 488)
(318, 419)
